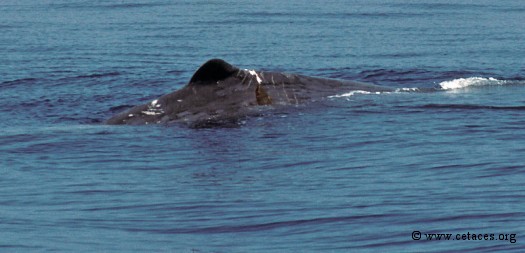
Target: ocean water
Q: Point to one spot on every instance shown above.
(353, 172)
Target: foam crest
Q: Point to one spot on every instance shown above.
(407, 90)
(354, 92)
(471, 81)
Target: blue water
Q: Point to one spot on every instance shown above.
(351, 173)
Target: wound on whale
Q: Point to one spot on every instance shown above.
(219, 92)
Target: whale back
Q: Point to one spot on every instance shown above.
(219, 92)
(212, 71)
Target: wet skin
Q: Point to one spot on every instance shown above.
(219, 92)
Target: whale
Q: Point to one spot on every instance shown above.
(220, 93)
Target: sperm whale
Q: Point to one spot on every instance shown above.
(219, 91)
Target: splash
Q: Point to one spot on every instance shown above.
(471, 81)
(407, 90)
(354, 92)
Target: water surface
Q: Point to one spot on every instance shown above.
(353, 172)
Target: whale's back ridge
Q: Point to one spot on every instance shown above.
(212, 71)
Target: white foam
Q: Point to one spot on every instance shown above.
(407, 90)
(354, 92)
(471, 81)
(154, 102)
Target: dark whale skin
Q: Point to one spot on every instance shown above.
(220, 92)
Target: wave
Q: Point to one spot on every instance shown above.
(268, 226)
(472, 107)
(398, 90)
(21, 81)
(415, 77)
(98, 75)
(32, 80)
(102, 6)
(354, 92)
(461, 83)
